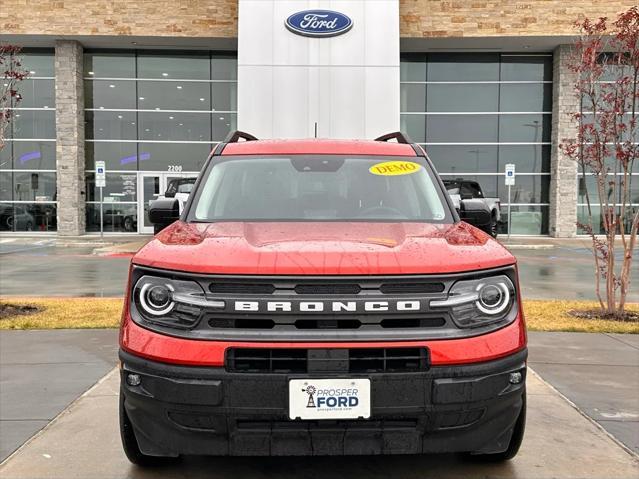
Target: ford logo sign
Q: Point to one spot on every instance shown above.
(319, 23)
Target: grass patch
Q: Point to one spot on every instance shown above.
(555, 316)
(58, 313)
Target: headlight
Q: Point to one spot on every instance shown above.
(171, 302)
(479, 302)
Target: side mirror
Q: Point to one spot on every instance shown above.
(164, 212)
(456, 201)
(476, 213)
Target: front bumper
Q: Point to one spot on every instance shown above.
(179, 410)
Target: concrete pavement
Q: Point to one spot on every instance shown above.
(561, 269)
(84, 443)
(42, 372)
(599, 373)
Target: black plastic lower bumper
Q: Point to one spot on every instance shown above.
(201, 410)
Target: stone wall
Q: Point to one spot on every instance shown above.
(69, 103)
(563, 170)
(478, 18)
(162, 18)
(218, 18)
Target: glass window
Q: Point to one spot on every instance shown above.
(461, 128)
(526, 158)
(163, 126)
(223, 67)
(34, 186)
(119, 187)
(301, 188)
(116, 155)
(6, 186)
(6, 156)
(487, 183)
(413, 68)
(193, 67)
(34, 124)
(453, 97)
(185, 156)
(533, 97)
(109, 65)
(526, 68)
(33, 155)
(526, 220)
(447, 67)
(118, 217)
(597, 221)
(414, 126)
(27, 217)
(174, 95)
(224, 96)
(36, 94)
(413, 97)
(524, 128)
(110, 125)
(589, 184)
(463, 158)
(39, 64)
(110, 94)
(527, 189)
(223, 123)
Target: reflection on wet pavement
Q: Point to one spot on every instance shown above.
(43, 269)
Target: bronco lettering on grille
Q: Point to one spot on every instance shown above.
(412, 305)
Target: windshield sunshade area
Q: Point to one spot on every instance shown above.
(319, 188)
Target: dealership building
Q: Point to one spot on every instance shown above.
(149, 88)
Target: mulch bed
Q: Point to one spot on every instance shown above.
(8, 310)
(628, 317)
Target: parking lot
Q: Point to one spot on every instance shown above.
(58, 267)
(580, 400)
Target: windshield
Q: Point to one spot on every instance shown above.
(319, 188)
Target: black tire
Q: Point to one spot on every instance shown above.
(128, 223)
(157, 229)
(513, 446)
(28, 226)
(130, 443)
(493, 226)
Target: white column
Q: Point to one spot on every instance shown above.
(347, 84)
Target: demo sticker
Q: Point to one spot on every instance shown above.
(395, 168)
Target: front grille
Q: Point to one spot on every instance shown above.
(328, 288)
(241, 288)
(298, 286)
(412, 288)
(327, 425)
(302, 361)
(288, 323)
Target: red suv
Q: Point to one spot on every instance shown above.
(321, 297)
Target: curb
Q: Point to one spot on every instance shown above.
(65, 411)
(630, 452)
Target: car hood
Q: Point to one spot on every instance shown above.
(264, 248)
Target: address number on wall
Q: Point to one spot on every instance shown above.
(175, 168)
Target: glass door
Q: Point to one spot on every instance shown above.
(150, 187)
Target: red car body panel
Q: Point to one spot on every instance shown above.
(318, 147)
(158, 347)
(320, 248)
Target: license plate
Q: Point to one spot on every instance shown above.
(329, 398)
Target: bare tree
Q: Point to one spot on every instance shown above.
(605, 62)
(12, 74)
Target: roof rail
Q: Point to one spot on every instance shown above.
(396, 135)
(234, 137)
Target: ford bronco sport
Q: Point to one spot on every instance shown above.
(321, 297)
